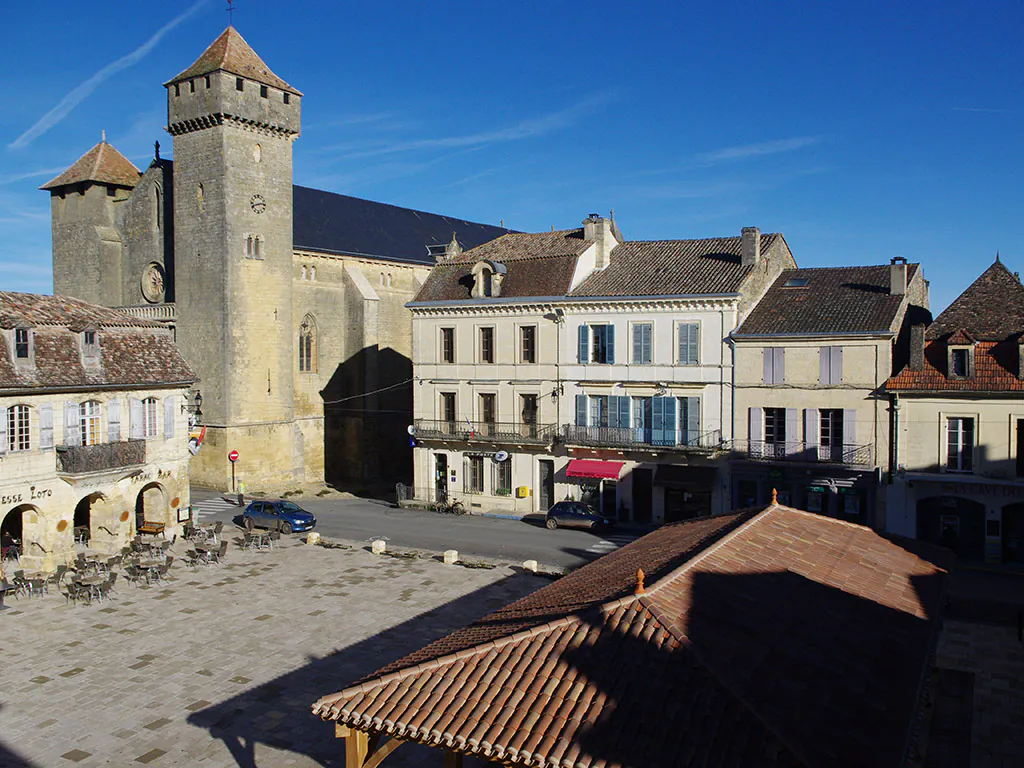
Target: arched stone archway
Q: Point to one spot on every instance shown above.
(85, 515)
(151, 505)
(12, 532)
(953, 522)
(37, 542)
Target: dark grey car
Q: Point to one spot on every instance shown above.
(575, 514)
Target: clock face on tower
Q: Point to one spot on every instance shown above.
(258, 204)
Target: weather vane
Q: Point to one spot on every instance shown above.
(231, 12)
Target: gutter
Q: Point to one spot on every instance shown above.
(813, 336)
(567, 299)
(97, 388)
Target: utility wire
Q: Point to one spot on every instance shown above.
(367, 394)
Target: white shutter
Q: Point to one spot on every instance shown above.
(824, 366)
(3, 430)
(812, 433)
(769, 370)
(779, 366)
(72, 426)
(849, 432)
(169, 403)
(135, 418)
(755, 432)
(837, 365)
(792, 431)
(114, 421)
(46, 425)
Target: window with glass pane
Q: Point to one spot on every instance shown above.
(475, 474)
(960, 445)
(528, 344)
(642, 416)
(529, 414)
(149, 417)
(960, 362)
(831, 433)
(774, 430)
(689, 343)
(447, 345)
(448, 406)
(600, 343)
(503, 478)
(486, 345)
(599, 411)
(18, 428)
(89, 421)
(21, 343)
(487, 409)
(642, 343)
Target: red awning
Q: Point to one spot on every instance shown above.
(592, 468)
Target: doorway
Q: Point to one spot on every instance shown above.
(11, 528)
(149, 505)
(609, 493)
(642, 495)
(546, 497)
(953, 522)
(440, 476)
(1013, 533)
(83, 518)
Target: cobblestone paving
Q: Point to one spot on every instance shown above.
(220, 667)
(996, 658)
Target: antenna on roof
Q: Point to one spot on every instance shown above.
(997, 257)
(231, 12)
(502, 223)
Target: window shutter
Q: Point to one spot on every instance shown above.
(692, 420)
(3, 430)
(670, 421)
(45, 425)
(755, 431)
(692, 344)
(610, 342)
(849, 430)
(584, 344)
(72, 427)
(613, 411)
(647, 351)
(824, 365)
(812, 432)
(779, 366)
(657, 420)
(169, 403)
(837, 365)
(135, 419)
(624, 412)
(769, 370)
(792, 431)
(581, 410)
(638, 343)
(114, 421)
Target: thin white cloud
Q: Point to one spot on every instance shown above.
(538, 126)
(81, 92)
(745, 151)
(11, 178)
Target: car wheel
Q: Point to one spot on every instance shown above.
(248, 523)
(551, 524)
(286, 528)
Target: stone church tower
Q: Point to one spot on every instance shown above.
(233, 123)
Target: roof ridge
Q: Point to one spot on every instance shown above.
(695, 239)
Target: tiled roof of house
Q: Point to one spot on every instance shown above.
(231, 53)
(102, 164)
(991, 309)
(995, 366)
(673, 267)
(833, 300)
(539, 264)
(333, 223)
(133, 352)
(765, 638)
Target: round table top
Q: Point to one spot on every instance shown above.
(90, 580)
(151, 562)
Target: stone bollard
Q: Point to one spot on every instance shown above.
(313, 538)
(451, 557)
(379, 546)
(530, 565)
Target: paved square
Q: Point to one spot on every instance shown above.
(219, 667)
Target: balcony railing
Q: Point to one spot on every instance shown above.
(630, 437)
(485, 432)
(854, 455)
(82, 459)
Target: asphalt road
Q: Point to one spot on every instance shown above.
(361, 521)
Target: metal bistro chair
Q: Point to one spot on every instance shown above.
(217, 555)
(133, 575)
(106, 588)
(21, 586)
(56, 577)
(274, 539)
(36, 587)
(192, 559)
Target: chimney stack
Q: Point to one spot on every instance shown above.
(917, 347)
(600, 231)
(898, 276)
(750, 246)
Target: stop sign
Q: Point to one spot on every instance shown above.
(233, 456)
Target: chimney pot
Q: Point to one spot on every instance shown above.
(750, 246)
(917, 347)
(898, 276)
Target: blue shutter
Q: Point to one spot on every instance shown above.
(584, 345)
(670, 421)
(610, 343)
(692, 420)
(692, 350)
(581, 410)
(613, 411)
(624, 412)
(657, 420)
(648, 344)
(638, 343)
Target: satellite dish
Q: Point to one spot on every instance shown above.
(501, 456)
(411, 429)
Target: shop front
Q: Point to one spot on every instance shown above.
(595, 483)
(687, 490)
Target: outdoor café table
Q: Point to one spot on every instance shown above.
(92, 581)
(261, 539)
(151, 566)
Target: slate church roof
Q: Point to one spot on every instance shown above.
(769, 637)
(827, 300)
(102, 164)
(230, 53)
(991, 309)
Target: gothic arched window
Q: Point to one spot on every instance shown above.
(307, 345)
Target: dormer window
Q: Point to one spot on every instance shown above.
(960, 355)
(487, 279)
(960, 359)
(22, 344)
(90, 346)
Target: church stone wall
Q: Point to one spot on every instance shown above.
(145, 221)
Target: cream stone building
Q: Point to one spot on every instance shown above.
(576, 364)
(287, 301)
(958, 417)
(93, 427)
(810, 421)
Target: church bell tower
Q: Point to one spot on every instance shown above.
(233, 123)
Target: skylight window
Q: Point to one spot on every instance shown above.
(796, 282)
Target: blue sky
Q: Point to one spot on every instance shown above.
(861, 131)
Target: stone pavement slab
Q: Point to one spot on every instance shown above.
(220, 666)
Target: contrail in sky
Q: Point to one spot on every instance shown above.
(76, 96)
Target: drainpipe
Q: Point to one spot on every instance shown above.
(894, 435)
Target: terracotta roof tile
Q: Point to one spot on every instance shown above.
(995, 366)
(833, 300)
(811, 658)
(102, 164)
(991, 309)
(231, 53)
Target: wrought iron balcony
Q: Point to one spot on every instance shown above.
(485, 432)
(83, 459)
(797, 451)
(642, 438)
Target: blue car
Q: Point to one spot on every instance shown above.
(277, 515)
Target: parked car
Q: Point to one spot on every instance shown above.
(575, 514)
(277, 515)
